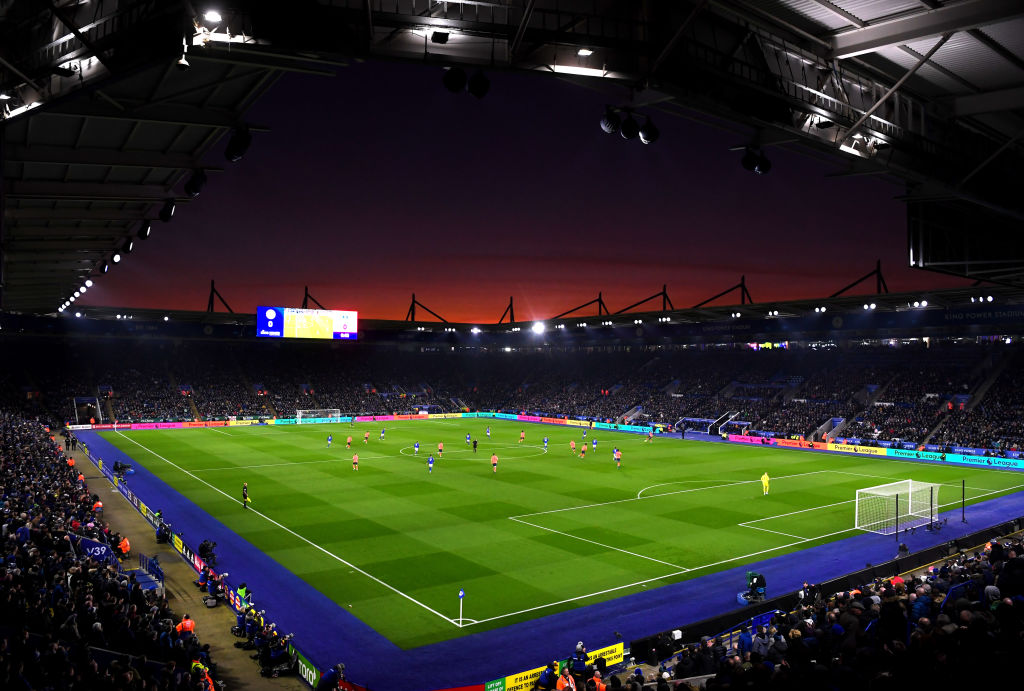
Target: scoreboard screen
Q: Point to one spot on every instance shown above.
(290, 322)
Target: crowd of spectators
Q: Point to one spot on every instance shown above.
(784, 392)
(998, 420)
(66, 620)
(958, 620)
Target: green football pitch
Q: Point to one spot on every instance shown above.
(548, 532)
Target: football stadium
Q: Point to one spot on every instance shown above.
(822, 488)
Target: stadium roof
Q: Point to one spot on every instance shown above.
(976, 311)
(101, 127)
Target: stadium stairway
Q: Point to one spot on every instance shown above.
(334, 635)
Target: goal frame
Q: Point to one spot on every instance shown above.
(304, 417)
(885, 509)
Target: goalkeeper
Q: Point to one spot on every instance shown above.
(765, 482)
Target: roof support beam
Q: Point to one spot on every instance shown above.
(85, 191)
(989, 102)
(39, 214)
(893, 89)
(61, 155)
(164, 115)
(969, 14)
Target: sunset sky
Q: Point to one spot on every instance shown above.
(379, 183)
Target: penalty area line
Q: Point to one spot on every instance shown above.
(295, 534)
(601, 544)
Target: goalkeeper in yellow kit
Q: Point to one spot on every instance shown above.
(765, 482)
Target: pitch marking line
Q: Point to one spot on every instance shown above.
(696, 489)
(300, 537)
(777, 532)
(278, 465)
(600, 544)
(668, 575)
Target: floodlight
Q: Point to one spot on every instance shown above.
(194, 185)
(4, 96)
(119, 316)
(479, 85)
(989, 298)
(454, 79)
(167, 211)
(183, 63)
(77, 294)
(538, 327)
(88, 283)
(144, 230)
(924, 303)
(611, 122)
(649, 133)
(72, 298)
(439, 37)
(212, 16)
(78, 314)
(116, 257)
(872, 305)
(128, 246)
(584, 52)
(239, 143)
(166, 318)
(629, 129)
(917, 303)
(475, 330)
(865, 306)
(82, 289)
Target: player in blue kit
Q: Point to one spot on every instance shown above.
(430, 464)
(467, 440)
(593, 445)
(330, 438)
(488, 432)
(545, 442)
(382, 434)
(415, 448)
(584, 433)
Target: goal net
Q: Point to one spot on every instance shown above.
(905, 504)
(305, 417)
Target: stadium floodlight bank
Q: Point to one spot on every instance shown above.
(885, 509)
(305, 417)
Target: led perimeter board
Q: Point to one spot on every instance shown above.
(290, 322)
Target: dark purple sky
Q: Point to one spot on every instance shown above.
(379, 183)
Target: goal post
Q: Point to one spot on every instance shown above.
(885, 509)
(306, 417)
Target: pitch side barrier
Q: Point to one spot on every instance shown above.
(890, 452)
(309, 672)
(637, 429)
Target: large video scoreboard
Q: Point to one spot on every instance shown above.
(290, 322)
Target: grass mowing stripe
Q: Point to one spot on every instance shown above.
(599, 544)
(293, 533)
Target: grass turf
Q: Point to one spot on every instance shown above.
(548, 532)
